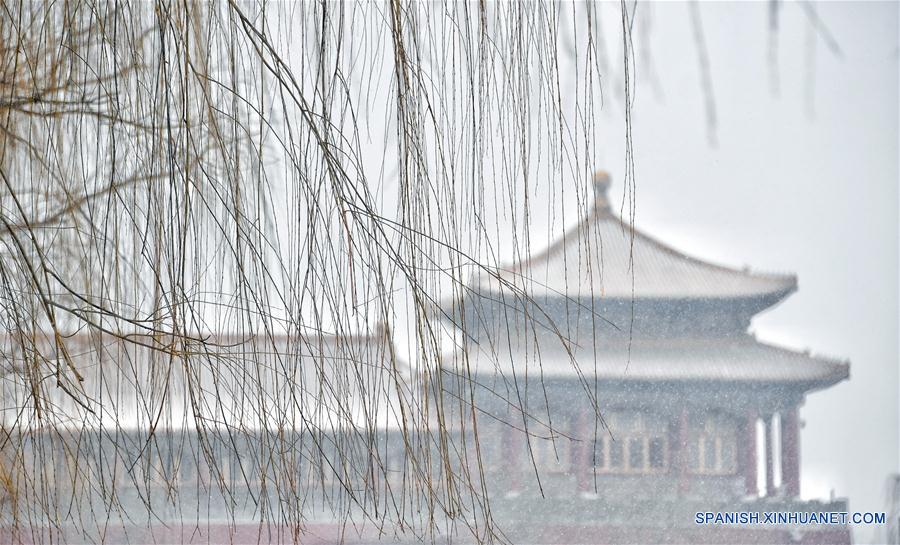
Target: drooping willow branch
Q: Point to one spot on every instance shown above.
(211, 216)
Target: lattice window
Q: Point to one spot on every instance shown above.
(712, 445)
(638, 444)
(552, 456)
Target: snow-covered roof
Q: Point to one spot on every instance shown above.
(603, 256)
(741, 359)
(250, 382)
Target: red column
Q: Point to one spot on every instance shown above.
(513, 444)
(748, 455)
(583, 460)
(681, 459)
(770, 457)
(790, 451)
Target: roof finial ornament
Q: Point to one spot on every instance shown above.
(601, 185)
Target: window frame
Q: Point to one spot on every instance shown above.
(546, 450)
(602, 458)
(714, 427)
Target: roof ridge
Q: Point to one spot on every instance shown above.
(803, 352)
(234, 338)
(697, 260)
(604, 214)
(663, 272)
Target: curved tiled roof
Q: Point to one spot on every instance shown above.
(314, 381)
(740, 359)
(602, 256)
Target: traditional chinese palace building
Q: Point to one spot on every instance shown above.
(644, 397)
(616, 389)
